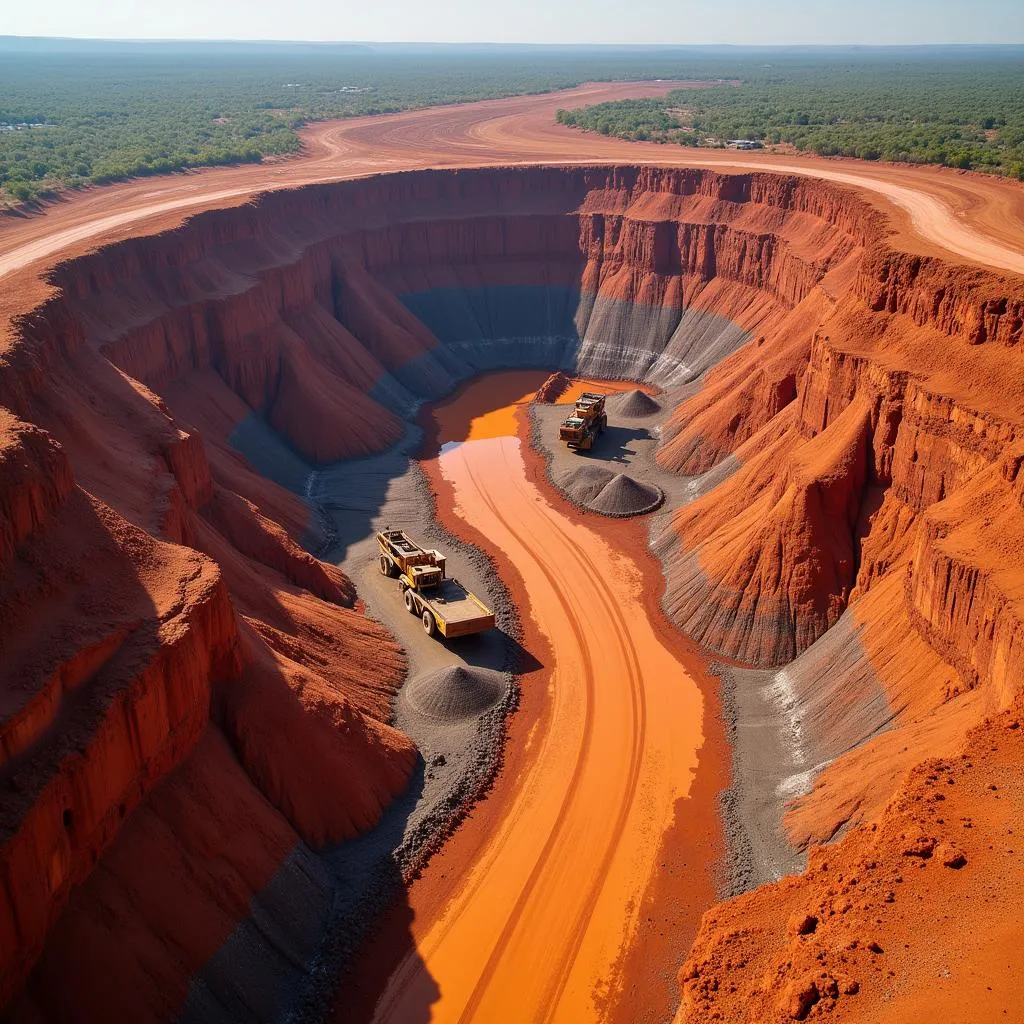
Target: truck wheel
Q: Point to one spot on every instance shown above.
(429, 624)
(410, 602)
(602, 424)
(385, 566)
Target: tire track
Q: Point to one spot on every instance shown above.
(639, 711)
(577, 776)
(612, 613)
(578, 633)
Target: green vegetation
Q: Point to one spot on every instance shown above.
(74, 113)
(93, 116)
(639, 120)
(960, 109)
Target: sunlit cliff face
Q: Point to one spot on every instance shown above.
(178, 669)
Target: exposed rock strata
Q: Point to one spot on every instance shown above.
(160, 617)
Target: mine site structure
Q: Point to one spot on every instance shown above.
(442, 604)
(586, 422)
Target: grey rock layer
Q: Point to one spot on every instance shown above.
(558, 328)
(786, 725)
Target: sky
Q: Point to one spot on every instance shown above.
(529, 21)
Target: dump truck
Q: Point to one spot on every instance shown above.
(442, 604)
(585, 423)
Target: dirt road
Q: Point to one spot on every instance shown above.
(536, 928)
(975, 217)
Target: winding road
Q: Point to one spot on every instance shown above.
(974, 217)
(536, 929)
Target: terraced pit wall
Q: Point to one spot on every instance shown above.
(871, 401)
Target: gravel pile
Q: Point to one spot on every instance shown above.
(633, 405)
(584, 483)
(624, 496)
(600, 489)
(456, 692)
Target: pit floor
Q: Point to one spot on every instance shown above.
(531, 912)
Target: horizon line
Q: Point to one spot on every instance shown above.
(264, 41)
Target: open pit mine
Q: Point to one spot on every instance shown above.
(743, 743)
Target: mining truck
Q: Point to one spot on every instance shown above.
(443, 605)
(586, 421)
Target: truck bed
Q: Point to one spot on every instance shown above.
(454, 602)
(458, 612)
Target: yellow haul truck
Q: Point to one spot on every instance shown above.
(444, 605)
(586, 421)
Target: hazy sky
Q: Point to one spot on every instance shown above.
(554, 21)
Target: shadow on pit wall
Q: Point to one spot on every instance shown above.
(370, 925)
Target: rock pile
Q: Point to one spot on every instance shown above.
(453, 693)
(624, 496)
(633, 405)
(553, 388)
(612, 494)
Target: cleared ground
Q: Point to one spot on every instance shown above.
(977, 217)
(542, 915)
(536, 928)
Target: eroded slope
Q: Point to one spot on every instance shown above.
(170, 639)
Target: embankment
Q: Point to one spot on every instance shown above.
(166, 638)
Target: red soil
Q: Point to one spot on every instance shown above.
(121, 639)
(913, 919)
(179, 876)
(671, 900)
(154, 590)
(116, 647)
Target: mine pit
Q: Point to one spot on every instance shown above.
(742, 646)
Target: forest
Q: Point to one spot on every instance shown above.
(73, 114)
(958, 109)
(73, 117)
